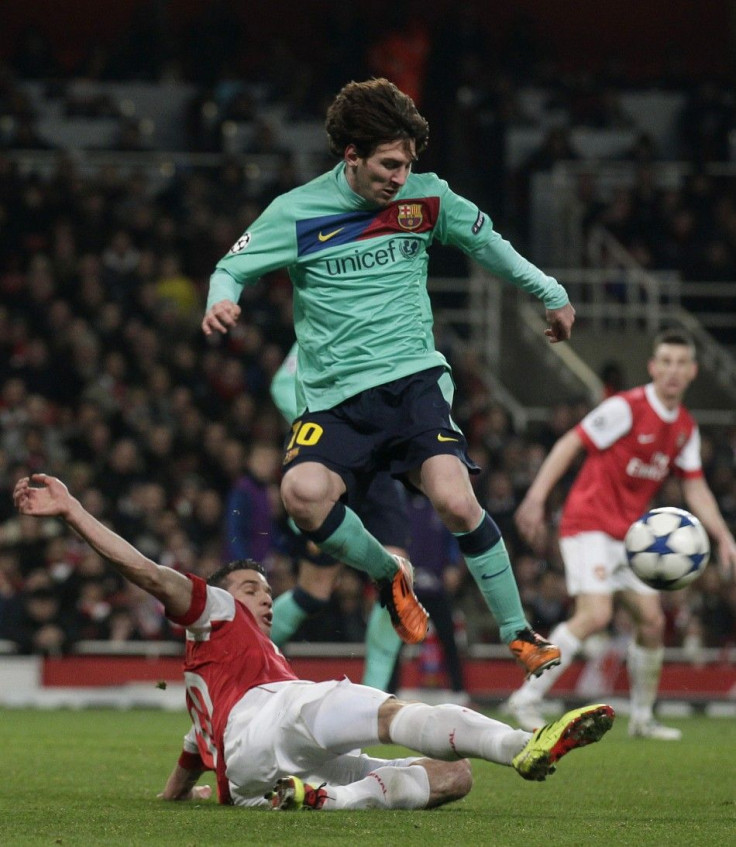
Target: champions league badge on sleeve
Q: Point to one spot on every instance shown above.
(241, 243)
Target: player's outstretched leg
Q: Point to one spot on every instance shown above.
(422, 784)
(551, 742)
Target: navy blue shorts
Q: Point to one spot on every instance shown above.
(393, 427)
(383, 510)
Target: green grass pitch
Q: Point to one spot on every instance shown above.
(90, 777)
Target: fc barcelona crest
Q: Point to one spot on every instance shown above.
(410, 215)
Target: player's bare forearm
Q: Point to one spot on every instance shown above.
(42, 495)
(557, 462)
(703, 504)
(530, 517)
(172, 588)
(182, 785)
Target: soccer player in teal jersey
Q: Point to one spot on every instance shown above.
(385, 512)
(373, 393)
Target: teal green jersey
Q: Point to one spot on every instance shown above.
(362, 313)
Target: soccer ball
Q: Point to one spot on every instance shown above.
(667, 548)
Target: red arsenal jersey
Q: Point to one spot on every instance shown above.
(633, 443)
(226, 656)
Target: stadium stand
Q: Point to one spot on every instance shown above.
(118, 195)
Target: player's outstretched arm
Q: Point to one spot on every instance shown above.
(703, 504)
(530, 517)
(41, 495)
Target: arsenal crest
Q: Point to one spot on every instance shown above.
(409, 215)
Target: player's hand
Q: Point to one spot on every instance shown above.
(199, 792)
(727, 558)
(560, 323)
(41, 495)
(220, 317)
(530, 521)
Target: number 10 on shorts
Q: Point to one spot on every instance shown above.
(304, 434)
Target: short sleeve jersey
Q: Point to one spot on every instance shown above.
(633, 443)
(226, 656)
(362, 314)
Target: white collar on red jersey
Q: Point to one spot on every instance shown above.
(668, 415)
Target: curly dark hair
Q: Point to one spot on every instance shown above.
(220, 576)
(371, 113)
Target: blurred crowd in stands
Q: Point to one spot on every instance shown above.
(107, 381)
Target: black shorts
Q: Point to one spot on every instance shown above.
(383, 510)
(393, 427)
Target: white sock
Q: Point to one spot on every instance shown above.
(536, 687)
(644, 665)
(452, 732)
(387, 787)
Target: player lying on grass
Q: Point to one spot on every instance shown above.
(275, 739)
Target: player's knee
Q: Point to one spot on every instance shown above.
(596, 621)
(386, 714)
(651, 626)
(592, 617)
(459, 510)
(303, 487)
(448, 781)
(462, 778)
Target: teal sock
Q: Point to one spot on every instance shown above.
(290, 609)
(488, 561)
(352, 544)
(495, 577)
(382, 646)
(288, 616)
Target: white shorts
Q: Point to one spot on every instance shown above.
(595, 563)
(300, 728)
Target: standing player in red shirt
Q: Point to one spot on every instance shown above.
(633, 441)
(266, 732)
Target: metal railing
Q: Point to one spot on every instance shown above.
(617, 291)
(621, 296)
(476, 322)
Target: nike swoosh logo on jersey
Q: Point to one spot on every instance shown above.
(441, 437)
(328, 235)
(645, 439)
